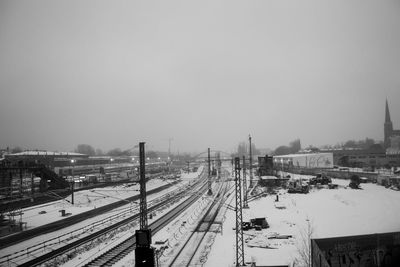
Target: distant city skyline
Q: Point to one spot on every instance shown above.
(207, 74)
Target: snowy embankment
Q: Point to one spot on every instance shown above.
(321, 213)
(84, 200)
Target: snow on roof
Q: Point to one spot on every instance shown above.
(393, 151)
(272, 178)
(303, 155)
(46, 153)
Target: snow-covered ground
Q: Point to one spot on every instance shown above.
(327, 212)
(321, 213)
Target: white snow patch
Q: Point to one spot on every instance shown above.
(330, 212)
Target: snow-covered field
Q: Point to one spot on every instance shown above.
(326, 212)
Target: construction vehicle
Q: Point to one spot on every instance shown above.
(298, 186)
(321, 178)
(259, 223)
(256, 223)
(355, 182)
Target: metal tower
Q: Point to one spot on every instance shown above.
(144, 253)
(251, 163)
(209, 173)
(142, 182)
(239, 219)
(219, 163)
(245, 205)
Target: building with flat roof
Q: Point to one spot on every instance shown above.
(309, 160)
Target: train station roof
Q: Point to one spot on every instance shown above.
(33, 153)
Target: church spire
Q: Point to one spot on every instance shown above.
(387, 113)
(388, 126)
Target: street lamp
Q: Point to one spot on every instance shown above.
(72, 167)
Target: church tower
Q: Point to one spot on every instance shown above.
(388, 127)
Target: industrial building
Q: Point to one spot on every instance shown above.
(312, 160)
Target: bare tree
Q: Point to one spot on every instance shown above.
(99, 152)
(303, 244)
(85, 149)
(16, 149)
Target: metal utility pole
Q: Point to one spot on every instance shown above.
(142, 183)
(219, 163)
(209, 173)
(20, 180)
(245, 205)
(32, 188)
(169, 146)
(72, 183)
(239, 219)
(251, 163)
(72, 189)
(144, 253)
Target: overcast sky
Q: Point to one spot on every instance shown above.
(206, 73)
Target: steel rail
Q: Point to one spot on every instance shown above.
(217, 200)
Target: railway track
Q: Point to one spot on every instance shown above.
(115, 254)
(121, 250)
(87, 239)
(57, 225)
(191, 247)
(25, 253)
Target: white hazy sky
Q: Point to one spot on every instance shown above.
(206, 73)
